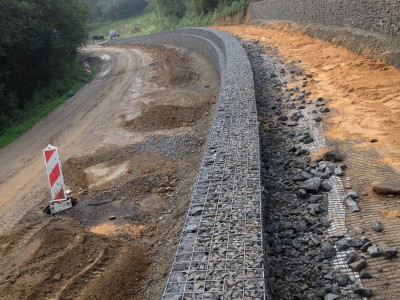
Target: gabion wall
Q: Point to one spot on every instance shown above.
(220, 253)
(381, 16)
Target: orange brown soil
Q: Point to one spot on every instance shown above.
(364, 103)
(365, 94)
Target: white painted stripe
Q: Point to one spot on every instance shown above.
(54, 159)
(55, 189)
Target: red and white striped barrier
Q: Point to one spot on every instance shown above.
(87, 68)
(54, 173)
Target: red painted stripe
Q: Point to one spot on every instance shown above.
(55, 173)
(48, 154)
(60, 195)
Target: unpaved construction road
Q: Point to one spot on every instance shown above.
(131, 142)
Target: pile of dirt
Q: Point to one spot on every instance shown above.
(171, 66)
(58, 259)
(161, 117)
(106, 169)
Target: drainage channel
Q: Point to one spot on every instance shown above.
(309, 251)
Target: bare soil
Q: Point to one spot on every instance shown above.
(131, 142)
(365, 93)
(363, 96)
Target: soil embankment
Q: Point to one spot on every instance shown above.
(360, 101)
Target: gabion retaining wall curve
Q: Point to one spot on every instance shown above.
(220, 253)
(363, 26)
(381, 16)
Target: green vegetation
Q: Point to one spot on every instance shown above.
(46, 100)
(167, 14)
(139, 25)
(185, 13)
(104, 10)
(38, 51)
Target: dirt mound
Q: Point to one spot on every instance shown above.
(172, 67)
(167, 117)
(58, 259)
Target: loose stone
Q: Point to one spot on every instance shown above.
(338, 171)
(357, 266)
(308, 141)
(331, 296)
(333, 154)
(352, 257)
(389, 187)
(388, 252)
(353, 195)
(328, 250)
(342, 279)
(365, 275)
(317, 118)
(352, 205)
(364, 292)
(374, 251)
(354, 242)
(377, 226)
(365, 247)
(311, 185)
(324, 110)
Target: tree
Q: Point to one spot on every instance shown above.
(102, 10)
(38, 39)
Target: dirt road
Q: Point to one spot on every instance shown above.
(130, 142)
(70, 127)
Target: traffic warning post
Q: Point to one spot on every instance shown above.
(59, 200)
(87, 67)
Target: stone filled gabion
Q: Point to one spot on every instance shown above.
(220, 253)
(374, 16)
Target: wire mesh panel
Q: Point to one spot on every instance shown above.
(220, 254)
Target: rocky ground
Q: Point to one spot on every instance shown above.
(299, 249)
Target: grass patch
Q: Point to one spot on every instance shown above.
(139, 25)
(192, 19)
(44, 103)
(149, 22)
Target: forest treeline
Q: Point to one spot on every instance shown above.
(193, 12)
(172, 11)
(38, 46)
(105, 10)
